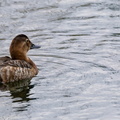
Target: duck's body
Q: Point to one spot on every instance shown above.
(19, 66)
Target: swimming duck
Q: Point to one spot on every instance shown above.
(19, 66)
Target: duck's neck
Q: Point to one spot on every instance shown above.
(19, 56)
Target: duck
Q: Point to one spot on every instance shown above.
(19, 66)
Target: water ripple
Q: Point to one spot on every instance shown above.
(78, 61)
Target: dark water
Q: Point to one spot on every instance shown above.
(79, 62)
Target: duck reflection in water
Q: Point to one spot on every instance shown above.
(20, 93)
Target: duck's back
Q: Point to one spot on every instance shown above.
(3, 60)
(14, 70)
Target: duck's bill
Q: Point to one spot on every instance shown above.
(33, 46)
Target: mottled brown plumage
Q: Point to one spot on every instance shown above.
(19, 66)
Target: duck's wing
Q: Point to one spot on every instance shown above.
(9, 67)
(17, 63)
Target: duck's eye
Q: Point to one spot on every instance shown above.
(27, 40)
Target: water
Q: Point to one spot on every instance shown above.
(79, 61)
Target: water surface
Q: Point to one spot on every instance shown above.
(79, 61)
